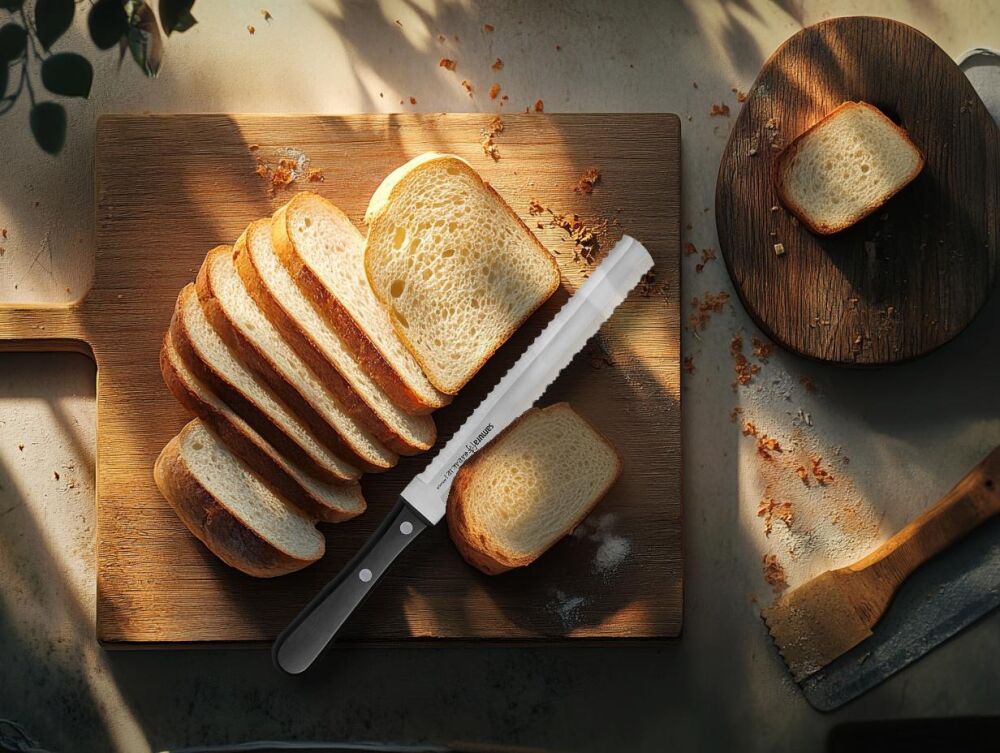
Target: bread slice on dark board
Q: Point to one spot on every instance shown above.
(325, 501)
(245, 328)
(232, 511)
(324, 253)
(318, 344)
(845, 167)
(456, 268)
(529, 487)
(214, 363)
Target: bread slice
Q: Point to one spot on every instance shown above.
(529, 487)
(215, 364)
(456, 268)
(325, 501)
(245, 328)
(324, 253)
(230, 510)
(845, 167)
(319, 345)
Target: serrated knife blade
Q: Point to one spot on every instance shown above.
(423, 501)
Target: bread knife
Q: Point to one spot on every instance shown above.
(422, 503)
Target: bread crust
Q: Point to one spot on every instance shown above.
(474, 545)
(241, 405)
(338, 316)
(208, 518)
(374, 217)
(262, 364)
(251, 448)
(307, 349)
(785, 159)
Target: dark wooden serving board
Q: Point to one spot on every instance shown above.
(912, 276)
(169, 188)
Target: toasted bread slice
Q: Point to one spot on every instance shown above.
(324, 253)
(230, 510)
(845, 167)
(325, 501)
(322, 348)
(215, 364)
(455, 267)
(529, 487)
(246, 329)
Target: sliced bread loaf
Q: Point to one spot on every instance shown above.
(322, 348)
(230, 510)
(324, 253)
(529, 487)
(324, 501)
(455, 267)
(215, 364)
(845, 167)
(246, 329)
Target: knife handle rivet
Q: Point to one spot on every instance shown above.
(406, 528)
(365, 575)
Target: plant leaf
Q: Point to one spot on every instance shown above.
(68, 74)
(175, 15)
(48, 126)
(107, 23)
(13, 39)
(144, 37)
(52, 18)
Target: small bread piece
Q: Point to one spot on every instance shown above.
(324, 253)
(529, 487)
(322, 348)
(246, 329)
(328, 502)
(455, 267)
(230, 510)
(215, 364)
(845, 167)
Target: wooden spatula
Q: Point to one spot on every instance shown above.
(831, 614)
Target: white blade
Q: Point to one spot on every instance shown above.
(570, 329)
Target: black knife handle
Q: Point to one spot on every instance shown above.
(315, 627)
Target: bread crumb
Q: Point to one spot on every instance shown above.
(768, 509)
(251, 29)
(488, 28)
(467, 86)
(712, 303)
(266, 14)
(766, 446)
(648, 286)
(774, 573)
(690, 249)
(819, 473)
(413, 100)
(803, 474)
(20, 447)
(749, 428)
(55, 475)
(689, 364)
(3, 233)
(735, 413)
(761, 349)
(497, 65)
(315, 175)
(447, 63)
(488, 143)
(591, 176)
(539, 106)
(707, 255)
(741, 96)
(745, 371)
(534, 208)
(719, 111)
(779, 249)
(494, 91)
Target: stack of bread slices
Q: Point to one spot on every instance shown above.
(310, 354)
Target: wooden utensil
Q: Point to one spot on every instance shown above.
(913, 275)
(171, 187)
(832, 613)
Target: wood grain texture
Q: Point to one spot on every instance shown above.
(913, 275)
(169, 188)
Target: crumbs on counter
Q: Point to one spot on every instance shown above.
(745, 371)
(3, 233)
(467, 86)
(55, 475)
(251, 29)
(689, 364)
(289, 165)
(535, 209)
(266, 14)
(488, 142)
(494, 91)
(719, 111)
(774, 573)
(447, 63)
(539, 106)
(761, 350)
(819, 473)
(648, 285)
(770, 511)
(749, 428)
(591, 177)
(690, 249)
(413, 100)
(803, 474)
(20, 446)
(315, 175)
(767, 446)
(497, 65)
(488, 28)
(585, 236)
(704, 307)
(741, 96)
(735, 413)
(707, 255)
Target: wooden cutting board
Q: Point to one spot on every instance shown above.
(913, 275)
(169, 188)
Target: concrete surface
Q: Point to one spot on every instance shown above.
(910, 431)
